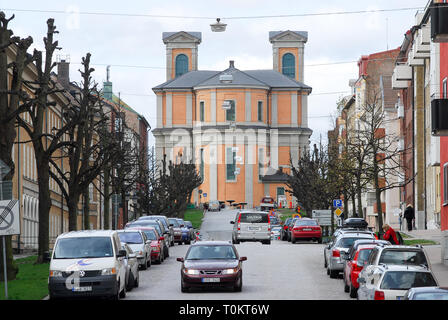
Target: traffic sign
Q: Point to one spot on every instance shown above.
(204, 195)
(296, 216)
(338, 212)
(9, 217)
(337, 203)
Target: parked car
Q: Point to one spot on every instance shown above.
(396, 255)
(132, 265)
(275, 221)
(177, 230)
(352, 267)
(138, 242)
(94, 253)
(160, 229)
(332, 252)
(426, 293)
(391, 282)
(339, 231)
(157, 242)
(251, 225)
(189, 225)
(169, 232)
(283, 232)
(307, 229)
(214, 205)
(275, 232)
(186, 237)
(289, 228)
(211, 263)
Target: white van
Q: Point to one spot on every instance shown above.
(87, 263)
(250, 225)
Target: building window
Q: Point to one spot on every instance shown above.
(445, 184)
(289, 65)
(230, 164)
(230, 113)
(260, 163)
(201, 111)
(201, 166)
(280, 191)
(181, 64)
(260, 110)
(445, 88)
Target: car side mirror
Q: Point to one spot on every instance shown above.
(121, 253)
(180, 259)
(232, 222)
(243, 258)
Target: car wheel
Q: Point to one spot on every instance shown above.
(239, 285)
(333, 274)
(116, 295)
(149, 262)
(353, 292)
(325, 262)
(137, 280)
(145, 265)
(131, 282)
(187, 242)
(236, 242)
(183, 288)
(167, 252)
(293, 240)
(319, 240)
(328, 270)
(122, 293)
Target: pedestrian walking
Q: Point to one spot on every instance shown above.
(409, 216)
(389, 234)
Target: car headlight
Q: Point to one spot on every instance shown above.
(191, 271)
(55, 273)
(230, 271)
(108, 272)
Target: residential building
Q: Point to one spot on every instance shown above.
(241, 128)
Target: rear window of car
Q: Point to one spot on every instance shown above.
(130, 237)
(306, 223)
(404, 280)
(363, 255)
(346, 242)
(254, 217)
(150, 234)
(412, 257)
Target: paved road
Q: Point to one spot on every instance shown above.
(280, 271)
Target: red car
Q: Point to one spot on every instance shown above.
(306, 229)
(353, 267)
(156, 243)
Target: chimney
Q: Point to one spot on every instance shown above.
(231, 64)
(64, 73)
(107, 87)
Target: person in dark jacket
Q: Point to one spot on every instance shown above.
(409, 216)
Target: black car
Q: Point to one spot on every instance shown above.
(359, 223)
(211, 264)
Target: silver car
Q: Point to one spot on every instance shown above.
(139, 244)
(251, 225)
(131, 262)
(169, 232)
(334, 251)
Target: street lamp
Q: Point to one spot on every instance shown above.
(218, 26)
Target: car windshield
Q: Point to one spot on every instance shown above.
(83, 247)
(431, 296)
(363, 255)
(305, 223)
(254, 217)
(205, 252)
(150, 234)
(404, 280)
(346, 242)
(130, 237)
(412, 257)
(174, 222)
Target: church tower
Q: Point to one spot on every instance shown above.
(288, 52)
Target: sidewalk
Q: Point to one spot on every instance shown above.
(434, 252)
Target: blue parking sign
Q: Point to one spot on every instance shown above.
(337, 203)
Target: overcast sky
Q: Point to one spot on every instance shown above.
(127, 36)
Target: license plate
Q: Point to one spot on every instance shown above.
(307, 229)
(82, 289)
(254, 228)
(211, 279)
(400, 298)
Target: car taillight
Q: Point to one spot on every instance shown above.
(296, 229)
(379, 295)
(336, 253)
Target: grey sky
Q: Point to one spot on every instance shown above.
(127, 41)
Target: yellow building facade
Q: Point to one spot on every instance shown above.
(242, 129)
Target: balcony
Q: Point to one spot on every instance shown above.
(439, 22)
(414, 59)
(422, 43)
(401, 75)
(439, 116)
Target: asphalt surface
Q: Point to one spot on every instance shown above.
(280, 271)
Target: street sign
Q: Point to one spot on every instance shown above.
(338, 212)
(337, 203)
(204, 195)
(9, 217)
(323, 217)
(296, 216)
